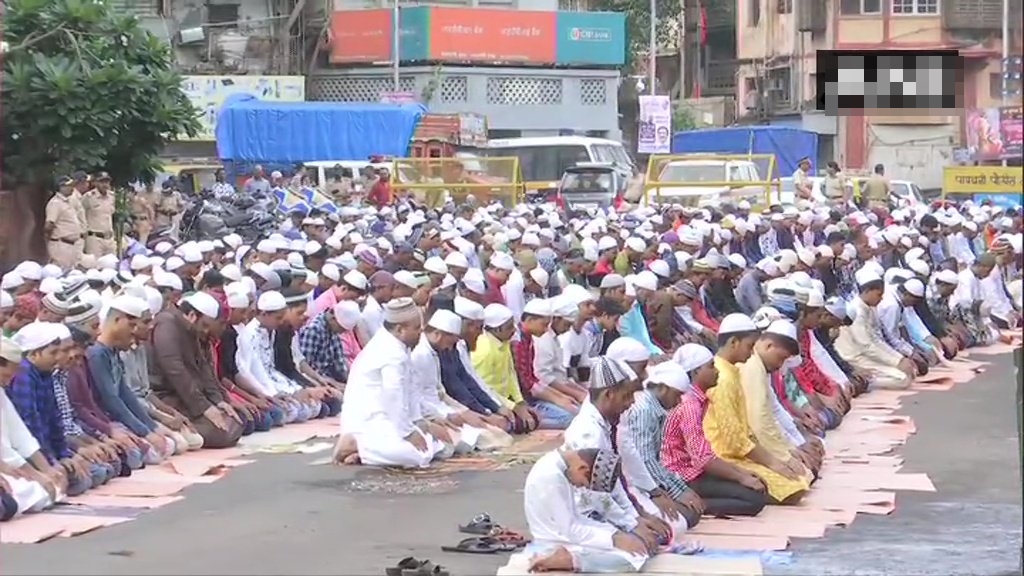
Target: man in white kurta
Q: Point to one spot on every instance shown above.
(380, 409)
(555, 521)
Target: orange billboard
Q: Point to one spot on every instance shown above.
(476, 35)
(360, 36)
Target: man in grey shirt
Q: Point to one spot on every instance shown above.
(257, 185)
(748, 290)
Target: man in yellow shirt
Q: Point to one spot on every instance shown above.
(727, 425)
(493, 362)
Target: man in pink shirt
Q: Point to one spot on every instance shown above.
(351, 287)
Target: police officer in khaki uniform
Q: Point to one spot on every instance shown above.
(142, 214)
(62, 226)
(876, 191)
(83, 182)
(168, 207)
(99, 217)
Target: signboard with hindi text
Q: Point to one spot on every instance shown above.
(983, 180)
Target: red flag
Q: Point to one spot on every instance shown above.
(703, 25)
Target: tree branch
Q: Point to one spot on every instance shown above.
(33, 39)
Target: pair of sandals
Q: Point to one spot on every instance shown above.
(489, 538)
(412, 567)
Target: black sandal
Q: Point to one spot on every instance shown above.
(404, 564)
(484, 545)
(481, 525)
(426, 568)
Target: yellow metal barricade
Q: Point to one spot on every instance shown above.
(695, 180)
(434, 180)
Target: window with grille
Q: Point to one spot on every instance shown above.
(592, 92)
(454, 89)
(520, 91)
(915, 7)
(860, 7)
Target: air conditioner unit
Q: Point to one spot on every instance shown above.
(192, 35)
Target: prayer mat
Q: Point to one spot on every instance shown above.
(694, 565)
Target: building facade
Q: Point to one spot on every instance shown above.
(530, 69)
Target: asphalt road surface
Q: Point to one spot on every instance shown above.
(283, 515)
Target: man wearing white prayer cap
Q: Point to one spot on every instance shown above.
(445, 417)
(632, 352)
(552, 399)
(494, 364)
(35, 484)
(859, 343)
(723, 487)
(182, 374)
(641, 436)
(111, 382)
(32, 392)
(380, 413)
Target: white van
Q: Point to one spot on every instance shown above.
(543, 160)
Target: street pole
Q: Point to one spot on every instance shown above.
(396, 30)
(652, 48)
(1006, 55)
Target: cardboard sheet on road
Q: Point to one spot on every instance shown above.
(742, 543)
(519, 565)
(99, 501)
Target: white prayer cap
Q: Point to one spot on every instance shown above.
(271, 301)
(237, 295)
(154, 299)
(660, 268)
(266, 246)
(612, 281)
(281, 264)
(191, 253)
(205, 246)
(540, 276)
(474, 285)
(496, 315)
(30, 270)
(947, 277)
(606, 243)
(331, 272)
(468, 309)
(9, 351)
(294, 260)
(129, 305)
(825, 251)
(163, 247)
(203, 303)
(635, 244)
(807, 256)
(815, 299)
(448, 281)
(107, 262)
(530, 239)
(408, 279)
(566, 308)
(670, 375)
(6, 300)
(446, 321)
(692, 356)
(231, 272)
(577, 294)
(456, 260)
(50, 286)
(782, 328)
(51, 271)
(628, 350)
(11, 280)
(233, 240)
(866, 275)
(311, 247)
(914, 287)
(347, 314)
(168, 280)
(736, 323)
(36, 335)
(920, 267)
(356, 279)
(173, 263)
(436, 265)
(836, 307)
(738, 260)
(646, 280)
(801, 279)
(502, 261)
(538, 307)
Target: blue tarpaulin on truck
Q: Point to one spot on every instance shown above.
(788, 145)
(249, 129)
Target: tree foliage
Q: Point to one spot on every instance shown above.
(683, 119)
(638, 22)
(84, 88)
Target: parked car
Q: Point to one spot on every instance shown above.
(590, 185)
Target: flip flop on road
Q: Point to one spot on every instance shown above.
(481, 525)
(509, 537)
(427, 568)
(404, 564)
(480, 545)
